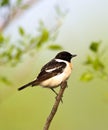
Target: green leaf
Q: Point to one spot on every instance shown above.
(4, 2)
(33, 40)
(25, 6)
(94, 46)
(5, 80)
(1, 38)
(98, 65)
(43, 38)
(18, 54)
(88, 60)
(55, 47)
(11, 48)
(19, 2)
(21, 31)
(87, 76)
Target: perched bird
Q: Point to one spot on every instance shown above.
(54, 72)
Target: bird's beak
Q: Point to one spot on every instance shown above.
(74, 56)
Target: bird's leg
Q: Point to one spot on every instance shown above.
(64, 84)
(54, 91)
(56, 94)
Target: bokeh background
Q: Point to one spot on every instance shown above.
(85, 105)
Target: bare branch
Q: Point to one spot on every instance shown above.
(55, 106)
(15, 13)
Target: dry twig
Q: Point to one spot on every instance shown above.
(55, 106)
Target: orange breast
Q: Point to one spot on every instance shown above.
(71, 66)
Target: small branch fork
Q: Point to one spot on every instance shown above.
(55, 106)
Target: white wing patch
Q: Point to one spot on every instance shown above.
(51, 70)
(58, 60)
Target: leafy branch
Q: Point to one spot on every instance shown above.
(95, 63)
(13, 53)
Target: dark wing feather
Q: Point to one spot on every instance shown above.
(50, 65)
(43, 75)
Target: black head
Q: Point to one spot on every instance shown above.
(65, 56)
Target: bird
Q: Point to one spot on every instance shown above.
(53, 73)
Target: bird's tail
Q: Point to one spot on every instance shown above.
(27, 85)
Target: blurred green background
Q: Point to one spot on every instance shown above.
(85, 104)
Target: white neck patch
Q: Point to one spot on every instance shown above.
(60, 60)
